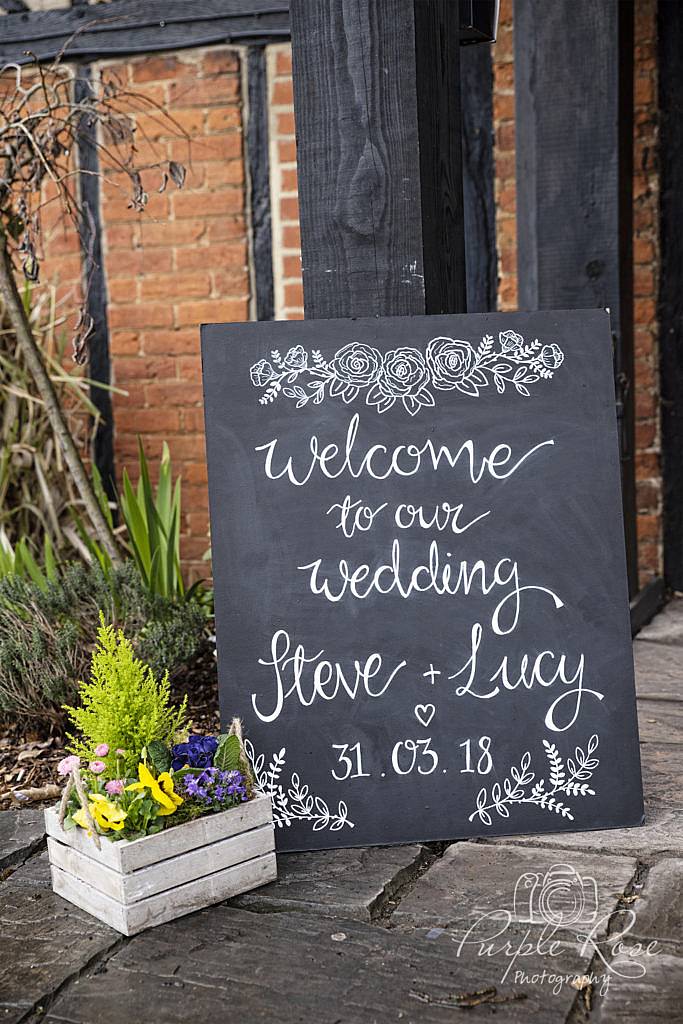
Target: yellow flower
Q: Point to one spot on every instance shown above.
(80, 819)
(161, 789)
(105, 813)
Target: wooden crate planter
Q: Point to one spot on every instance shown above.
(131, 885)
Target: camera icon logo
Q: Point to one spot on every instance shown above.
(561, 897)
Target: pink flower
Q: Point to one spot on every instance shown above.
(97, 767)
(102, 749)
(115, 787)
(67, 764)
(120, 753)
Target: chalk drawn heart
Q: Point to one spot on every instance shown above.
(424, 713)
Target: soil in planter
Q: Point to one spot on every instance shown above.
(29, 755)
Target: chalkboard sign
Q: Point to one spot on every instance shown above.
(418, 556)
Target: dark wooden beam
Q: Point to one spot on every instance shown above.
(573, 80)
(258, 165)
(476, 78)
(437, 80)
(670, 312)
(95, 288)
(374, 157)
(140, 26)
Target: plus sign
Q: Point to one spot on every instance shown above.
(432, 673)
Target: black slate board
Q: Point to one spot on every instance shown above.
(436, 763)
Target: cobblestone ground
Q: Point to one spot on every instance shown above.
(376, 935)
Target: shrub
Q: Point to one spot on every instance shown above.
(46, 633)
(123, 705)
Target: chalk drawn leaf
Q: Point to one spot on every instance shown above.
(296, 803)
(567, 780)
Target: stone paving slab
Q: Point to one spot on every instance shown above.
(655, 997)
(660, 721)
(659, 671)
(21, 832)
(339, 883)
(35, 873)
(472, 879)
(45, 941)
(658, 911)
(226, 964)
(667, 627)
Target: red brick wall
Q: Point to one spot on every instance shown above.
(182, 262)
(288, 291)
(646, 256)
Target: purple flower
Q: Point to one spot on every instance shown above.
(67, 764)
(115, 787)
(193, 788)
(97, 767)
(196, 753)
(102, 749)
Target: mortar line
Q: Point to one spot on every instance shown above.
(579, 1012)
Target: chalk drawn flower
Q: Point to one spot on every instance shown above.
(510, 342)
(552, 356)
(404, 375)
(261, 373)
(296, 358)
(357, 364)
(450, 362)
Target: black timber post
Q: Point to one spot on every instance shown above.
(258, 164)
(574, 126)
(377, 106)
(95, 288)
(670, 35)
(481, 260)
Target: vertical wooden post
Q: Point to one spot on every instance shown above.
(377, 104)
(476, 78)
(573, 88)
(99, 367)
(670, 312)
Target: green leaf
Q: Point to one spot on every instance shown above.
(49, 560)
(137, 528)
(159, 755)
(228, 754)
(25, 562)
(101, 496)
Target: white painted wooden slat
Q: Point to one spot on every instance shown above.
(166, 874)
(109, 853)
(104, 908)
(205, 860)
(129, 855)
(99, 876)
(166, 906)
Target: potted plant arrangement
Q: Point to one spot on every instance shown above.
(154, 821)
